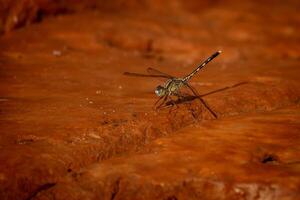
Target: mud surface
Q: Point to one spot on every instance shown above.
(67, 109)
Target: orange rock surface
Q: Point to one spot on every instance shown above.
(233, 158)
(74, 127)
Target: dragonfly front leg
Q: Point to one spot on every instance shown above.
(163, 101)
(170, 103)
(158, 100)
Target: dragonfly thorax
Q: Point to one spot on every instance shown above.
(171, 87)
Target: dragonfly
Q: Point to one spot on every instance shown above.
(173, 85)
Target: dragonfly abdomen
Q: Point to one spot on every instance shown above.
(188, 77)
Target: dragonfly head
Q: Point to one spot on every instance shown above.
(160, 91)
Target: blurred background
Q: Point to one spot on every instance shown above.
(17, 13)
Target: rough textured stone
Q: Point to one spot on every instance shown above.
(66, 105)
(233, 158)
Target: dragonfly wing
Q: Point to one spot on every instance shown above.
(153, 71)
(144, 75)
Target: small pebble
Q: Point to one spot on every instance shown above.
(15, 19)
(56, 53)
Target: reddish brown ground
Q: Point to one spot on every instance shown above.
(74, 127)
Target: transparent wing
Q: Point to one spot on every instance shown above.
(143, 75)
(153, 71)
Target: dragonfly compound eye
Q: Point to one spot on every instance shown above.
(159, 91)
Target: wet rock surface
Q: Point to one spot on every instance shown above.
(67, 110)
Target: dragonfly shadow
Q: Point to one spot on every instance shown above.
(189, 98)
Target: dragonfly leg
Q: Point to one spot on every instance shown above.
(173, 104)
(163, 101)
(201, 100)
(158, 100)
(170, 104)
